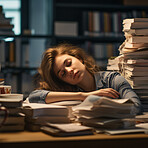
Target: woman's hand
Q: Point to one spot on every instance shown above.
(107, 92)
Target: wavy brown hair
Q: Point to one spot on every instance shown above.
(48, 79)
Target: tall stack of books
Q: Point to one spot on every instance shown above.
(37, 115)
(5, 24)
(135, 56)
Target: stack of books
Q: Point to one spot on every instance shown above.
(105, 113)
(6, 28)
(37, 115)
(15, 118)
(114, 63)
(135, 56)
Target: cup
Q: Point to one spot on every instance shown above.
(5, 89)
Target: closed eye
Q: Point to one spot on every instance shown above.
(68, 62)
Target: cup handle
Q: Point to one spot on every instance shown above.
(5, 116)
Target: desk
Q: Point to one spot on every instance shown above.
(40, 140)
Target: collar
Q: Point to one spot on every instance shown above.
(98, 80)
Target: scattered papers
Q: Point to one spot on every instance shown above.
(105, 113)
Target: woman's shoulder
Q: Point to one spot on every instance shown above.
(105, 74)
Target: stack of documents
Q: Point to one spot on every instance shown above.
(15, 118)
(102, 112)
(38, 115)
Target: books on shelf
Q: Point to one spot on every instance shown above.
(99, 23)
(66, 28)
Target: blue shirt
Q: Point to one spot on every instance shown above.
(103, 79)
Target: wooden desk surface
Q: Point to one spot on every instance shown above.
(39, 140)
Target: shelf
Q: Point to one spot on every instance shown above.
(18, 69)
(92, 39)
(101, 6)
(26, 36)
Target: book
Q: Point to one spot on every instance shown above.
(36, 110)
(15, 119)
(136, 68)
(12, 128)
(71, 129)
(135, 25)
(66, 28)
(135, 45)
(129, 73)
(32, 127)
(137, 82)
(137, 61)
(138, 54)
(138, 39)
(13, 111)
(131, 20)
(43, 119)
(11, 100)
(135, 32)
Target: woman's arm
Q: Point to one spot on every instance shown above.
(120, 84)
(44, 96)
(63, 96)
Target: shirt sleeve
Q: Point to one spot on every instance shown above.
(119, 83)
(38, 96)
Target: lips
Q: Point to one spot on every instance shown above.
(76, 74)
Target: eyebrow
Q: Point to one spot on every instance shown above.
(60, 69)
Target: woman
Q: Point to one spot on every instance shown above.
(68, 73)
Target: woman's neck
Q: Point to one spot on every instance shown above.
(88, 82)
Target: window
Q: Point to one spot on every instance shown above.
(12, 9)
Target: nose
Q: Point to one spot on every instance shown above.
(69, 70)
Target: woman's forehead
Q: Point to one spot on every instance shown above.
(59, 61)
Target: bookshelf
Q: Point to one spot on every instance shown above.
(99, 25)
(15, 67)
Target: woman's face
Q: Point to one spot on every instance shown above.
(69, 69)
